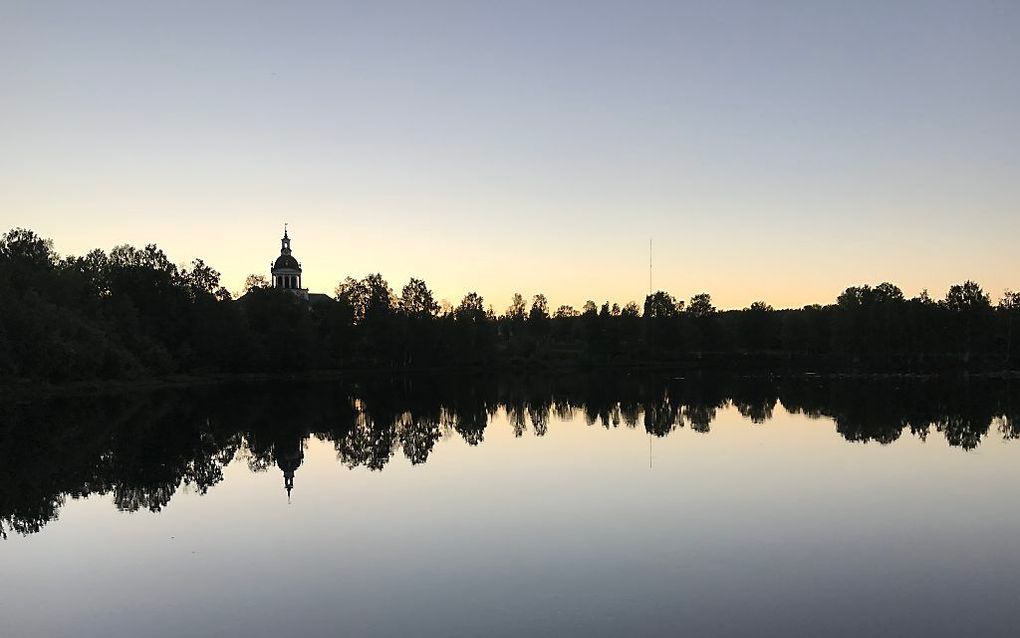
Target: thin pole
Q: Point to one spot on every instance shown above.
(649, 265)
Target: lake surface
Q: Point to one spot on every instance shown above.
(568, 505)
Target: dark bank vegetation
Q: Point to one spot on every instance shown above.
(131, 313)
(142, 448)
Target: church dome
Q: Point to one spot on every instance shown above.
(287, 261)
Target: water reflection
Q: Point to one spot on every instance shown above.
(142, 448)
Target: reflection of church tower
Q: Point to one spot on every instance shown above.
(286, 270)
(288, 458)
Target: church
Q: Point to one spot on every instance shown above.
(285, 274)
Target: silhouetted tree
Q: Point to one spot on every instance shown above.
(516, 311)
(661, 305)
(253, 281)
(416, 300)
(966, 297)
(539, 308)
(471, 308)
(701, 305)
(1009, 307)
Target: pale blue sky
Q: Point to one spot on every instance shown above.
(776, 150)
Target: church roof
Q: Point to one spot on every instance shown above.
(319, 298)
(287, 261)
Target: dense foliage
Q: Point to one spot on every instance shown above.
(132, 312)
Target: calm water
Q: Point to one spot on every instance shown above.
(575, 505)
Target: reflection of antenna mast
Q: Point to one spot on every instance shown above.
(649, 294)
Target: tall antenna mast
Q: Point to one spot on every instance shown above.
(649, 265)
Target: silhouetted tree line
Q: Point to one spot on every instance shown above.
(142, 448)
(133, 312)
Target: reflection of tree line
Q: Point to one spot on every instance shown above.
(142, 448)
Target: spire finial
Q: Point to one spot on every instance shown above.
(284, 229)
(288, 482)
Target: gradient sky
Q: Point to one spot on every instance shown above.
(774, 150)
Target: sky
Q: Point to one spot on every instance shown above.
(772, 150)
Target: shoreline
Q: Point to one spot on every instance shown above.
(33, 390)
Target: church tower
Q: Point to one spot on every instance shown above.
(289, 452)
(286, 270)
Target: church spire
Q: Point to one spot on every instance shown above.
(285, 242)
